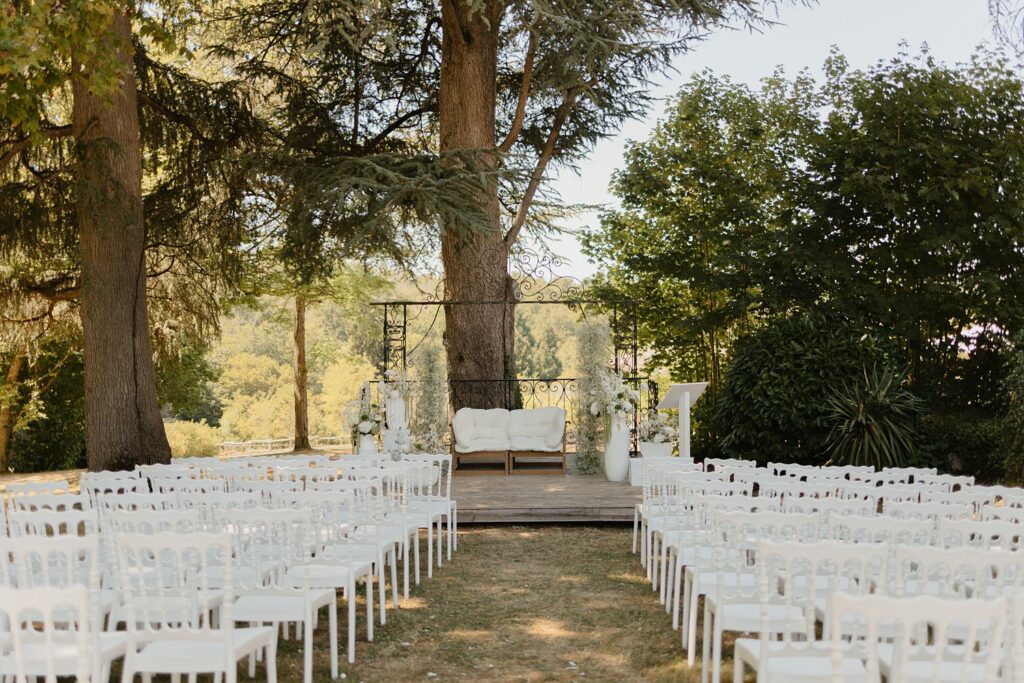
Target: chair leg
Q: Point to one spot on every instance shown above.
(394, 576)
(451, 534)
(416, 555)
(716, 653)
(350, 594)
(636, 525)
(369, 606)
(705, 645)
(272, 659)
(332, 628)
(382, 588)
(440, 537)
(405, 566)
(307, 650)
(677, 592)
(430, 549)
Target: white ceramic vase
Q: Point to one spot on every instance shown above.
(367, 444)
(616, 450)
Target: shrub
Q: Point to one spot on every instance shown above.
(963, 443)
(872, 420)
(53, 436)
(593, 343)
(192, 439)
(774, 402)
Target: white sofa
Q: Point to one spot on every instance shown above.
(533, 439)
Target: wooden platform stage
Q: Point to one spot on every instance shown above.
(568, 498)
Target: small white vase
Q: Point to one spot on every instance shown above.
(653, 449)
(616, 450)
(367, 445)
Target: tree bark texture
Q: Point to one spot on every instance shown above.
(479, 337)
(123, 426)
(7, 408)
(301, 372)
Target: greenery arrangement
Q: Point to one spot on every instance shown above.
(873, 420)
(593, 344)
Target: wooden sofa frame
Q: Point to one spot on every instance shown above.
(509, 459)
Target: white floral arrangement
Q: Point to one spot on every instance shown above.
(616, 398)
(363, 416)
(395, 383)
(656, 429)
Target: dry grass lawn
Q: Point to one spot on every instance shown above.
(547, 603)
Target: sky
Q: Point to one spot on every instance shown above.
(864, 30)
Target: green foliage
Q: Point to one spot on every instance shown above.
(536, 359)
(184, 384)
(892, 195)
(430, 416)
(872, 420)
(964, 443)
(1013, 424)
(774, 402)
(192, 439)
(593, 347)
(50, 429)
(701, 199)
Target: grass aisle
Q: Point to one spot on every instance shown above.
(520, 603)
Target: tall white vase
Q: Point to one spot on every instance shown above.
(616, 450)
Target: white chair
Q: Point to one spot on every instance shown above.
(55, 564)
(735, 599)
(57, 502)
(731, 533)
(267, 543)
(54, 523)
(933, 511)
(804, 576)
(32, 488)
(864, 529)
(432, 497)
(54, 632)
(340, 561)
(991, 534)
(170, 631)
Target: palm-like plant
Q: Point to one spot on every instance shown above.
(872, 421)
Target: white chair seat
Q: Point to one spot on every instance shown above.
(64, 656)
(814, 666)
(914, 671)
(752, 618)
(326, 575)
(185, 656)
(265, 608)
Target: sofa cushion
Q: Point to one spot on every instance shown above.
(536, 429)
(480, 430)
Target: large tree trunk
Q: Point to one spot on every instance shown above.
(7, 407)
(123, 426)
(479, 337)
(301, 396)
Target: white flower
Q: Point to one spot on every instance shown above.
(365, 427)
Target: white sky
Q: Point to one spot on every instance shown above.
(864, 30)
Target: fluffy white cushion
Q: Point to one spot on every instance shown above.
(480, 430)
(536, 429)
